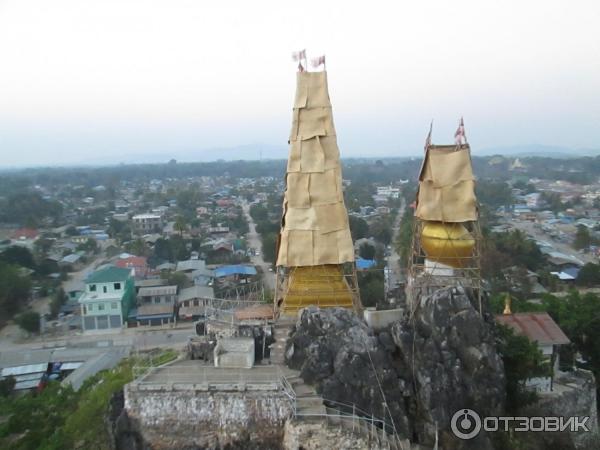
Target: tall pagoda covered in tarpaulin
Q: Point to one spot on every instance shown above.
(446, 234)
(315, 254)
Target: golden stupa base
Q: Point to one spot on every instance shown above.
(323, 286)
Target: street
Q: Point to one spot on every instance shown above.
(255, 242)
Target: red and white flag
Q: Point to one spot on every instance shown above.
(460, 136)
(428, 140)
(299, 56)
(316, 62)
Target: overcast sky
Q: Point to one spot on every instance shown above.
(84, 80)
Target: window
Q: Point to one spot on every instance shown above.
(196, 302)
(114, 305)
(100, 307)
(156, 299)
(92, 288)
(117, 286)
(84, 309)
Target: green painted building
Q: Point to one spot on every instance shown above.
(109, 295)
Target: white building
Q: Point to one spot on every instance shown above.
(148, 223)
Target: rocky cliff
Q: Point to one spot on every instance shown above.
(418, 372)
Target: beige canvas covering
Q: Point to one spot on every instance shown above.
(447, 185)
(315, 227)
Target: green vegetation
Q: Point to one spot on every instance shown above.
(29, 209)
(522, 360)
(60, 418)
(589, 275)
(29, 321)
(578, 315)
(268, 227)
(14, 290)
(58, 299)
(359, 228)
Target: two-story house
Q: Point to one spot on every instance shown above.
(108, 297)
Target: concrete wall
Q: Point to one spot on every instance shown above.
(381, 319)
(207, 419)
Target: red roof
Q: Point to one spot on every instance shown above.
(538, 327)
(132, 261)
(25, 233)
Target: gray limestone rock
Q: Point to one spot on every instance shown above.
(420, 371)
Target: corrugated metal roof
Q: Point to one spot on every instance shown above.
(22, 370)
(157, 290)
(237, 269)
(109, 274)
(538, 327)
(196, 292)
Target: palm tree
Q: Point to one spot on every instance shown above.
(180, 225)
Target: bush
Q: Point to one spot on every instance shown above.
(29, 321)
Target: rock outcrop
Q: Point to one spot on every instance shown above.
(418, 372)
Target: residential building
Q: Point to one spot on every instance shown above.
(148, 223)
(109, 295)
(541, 329)
(193, 301)
(155, 305)
(139, 264)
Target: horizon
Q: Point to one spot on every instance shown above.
(124, 80)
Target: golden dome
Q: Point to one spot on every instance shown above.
(447, 243)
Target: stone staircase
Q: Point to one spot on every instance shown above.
(308, 402)
(310, 407)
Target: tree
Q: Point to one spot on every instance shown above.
(371, 285)
(582, 238)
(180, 224)
(522, 360)
(7, 385)
(366, 251)
(162, 250)
(58, 299)
(381, 230)
(589, 275)
(14, 289)
(359, 228)
(18, 255)
(269, 242)
(29, 321)
(179, 279)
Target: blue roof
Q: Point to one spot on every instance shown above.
(573, 271)
(363, 264)
(237, 269)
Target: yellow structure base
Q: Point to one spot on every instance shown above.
(447, 243)
(323, 286)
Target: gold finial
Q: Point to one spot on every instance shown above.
(507, 300)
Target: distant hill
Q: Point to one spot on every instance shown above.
(549, 151)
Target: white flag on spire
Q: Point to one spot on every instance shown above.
(428, 140)
(299, 55)
(316, 62)
(460, 136)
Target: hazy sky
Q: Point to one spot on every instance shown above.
(84, 81)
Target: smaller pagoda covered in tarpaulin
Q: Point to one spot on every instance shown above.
(315, 254)
(446, 234)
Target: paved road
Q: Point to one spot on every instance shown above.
(528, 227)
(136, 338)
(393, 261)
(255, 242)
